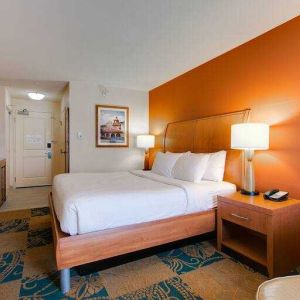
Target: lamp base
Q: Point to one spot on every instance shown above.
(244, 192)
(146, 160)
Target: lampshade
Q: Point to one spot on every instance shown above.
(145, 141)
(253, 136)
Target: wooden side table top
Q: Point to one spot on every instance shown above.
(258, 203)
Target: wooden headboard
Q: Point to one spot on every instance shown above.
(209, 134)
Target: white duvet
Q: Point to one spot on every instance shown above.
(86, 202)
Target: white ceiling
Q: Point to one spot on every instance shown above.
(53, 90)
(136, 44)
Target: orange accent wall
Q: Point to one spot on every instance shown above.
(262, 74)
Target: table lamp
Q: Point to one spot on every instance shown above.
(249, 137)
(145, 141)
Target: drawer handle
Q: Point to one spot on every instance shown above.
(240, 217)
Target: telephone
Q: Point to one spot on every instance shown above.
(276, 195)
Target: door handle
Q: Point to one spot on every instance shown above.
(240, 217)
(48, 154)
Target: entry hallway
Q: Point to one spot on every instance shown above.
(26, 198)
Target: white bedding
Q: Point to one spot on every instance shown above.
(86, 202)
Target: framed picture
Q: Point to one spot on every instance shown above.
(112, 126)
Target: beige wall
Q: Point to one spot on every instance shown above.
(7, 134)
(2, 122)
(64, 103)
(4, 127)
(65, 98)
(55, 109)
(84, 156)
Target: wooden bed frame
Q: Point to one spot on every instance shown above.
(207, 134)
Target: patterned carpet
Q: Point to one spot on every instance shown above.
(196, 271)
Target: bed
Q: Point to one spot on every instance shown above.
(86, 202)
(152, 209)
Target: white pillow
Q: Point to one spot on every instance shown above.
(215, 166)
(164, 163)
(190, 167)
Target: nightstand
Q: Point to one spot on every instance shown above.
(264, 231)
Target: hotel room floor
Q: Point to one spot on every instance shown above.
(196, 271)
(25, 198)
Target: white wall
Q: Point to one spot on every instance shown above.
(84, 156)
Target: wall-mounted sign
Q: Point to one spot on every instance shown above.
(34, 139)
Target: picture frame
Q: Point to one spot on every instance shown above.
(112, 126)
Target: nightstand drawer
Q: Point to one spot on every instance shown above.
(243, 216)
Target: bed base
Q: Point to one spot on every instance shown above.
(71, 251)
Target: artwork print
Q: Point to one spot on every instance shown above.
(111, 126)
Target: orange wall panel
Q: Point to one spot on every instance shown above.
(262, 74)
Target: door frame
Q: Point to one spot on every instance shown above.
(67, 140)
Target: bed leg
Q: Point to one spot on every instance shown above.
(65, 280)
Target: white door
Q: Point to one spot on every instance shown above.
(33, 149)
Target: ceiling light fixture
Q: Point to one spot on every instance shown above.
(36, 96)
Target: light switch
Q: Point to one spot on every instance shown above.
(79, 135)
